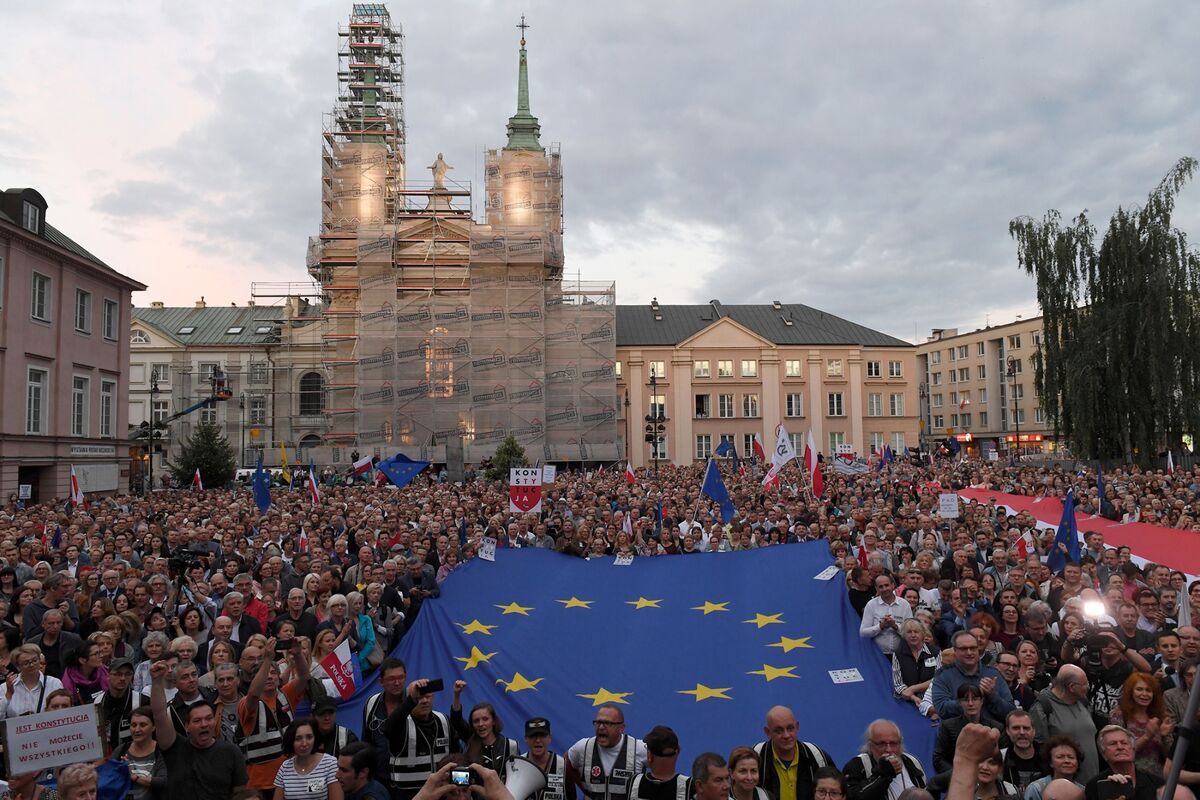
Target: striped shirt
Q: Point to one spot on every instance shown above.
(312, 785)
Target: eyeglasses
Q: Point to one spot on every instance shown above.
(829, 793)
(604, 723)
(888, 743)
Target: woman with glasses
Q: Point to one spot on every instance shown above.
(25, 692)
(831, 784)
(743, 777)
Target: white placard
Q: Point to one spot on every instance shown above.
(623, 560)
(549, 472)
(948, 505)
(851, 675)
(25, 491)
(487, 548)
(827, 574)
(53, 739)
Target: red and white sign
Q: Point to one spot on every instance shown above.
(525, 490)
(53, 739)
(337, 667)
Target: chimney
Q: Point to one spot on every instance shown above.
(200, 303)
(157, 304)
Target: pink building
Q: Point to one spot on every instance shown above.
(64, 358)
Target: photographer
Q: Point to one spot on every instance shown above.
(1108, 663)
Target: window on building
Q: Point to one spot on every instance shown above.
(312, 394)
(876, 442)
(263, 330)
(31, 217)
(40, 306)
(875, 405)
(1019, 391)
(724, 369)
(964, 374)
(749, 368)
(982, 372)
(791, 368)
(617, 368)
(161, 373)
(895, 369)
(258, 411)
(138, 337)
(1016, 366)
(836, 409)
(794, 404)
(659, 449)
(873, 369)
(258, 372)
(983, 395)
(954, 398)
(747, 445)
(108, 408)
(962, 351)
(1037, 339)
(703, 445)
(939, 421)
(725, 406)
(965, 419)
(79, 406)
(953, 354)
(935, 357)
(1039, 416)
(657, 369)
(160, 411)
(234, 330)
(186, 330)
(658, 404)
(798, 443)
(980, 348)
(954, 376)
(700, 369)
(37, 383)
(936, 401)
(1020, 415)
(896, 405)
(1014, 342)
(208, 416)
(110, 320)
(833, 368)
(83, 311)
(983, 419)
(937, 378)
(836, 439)
(898, 442)
(703, 406)
(750, 404)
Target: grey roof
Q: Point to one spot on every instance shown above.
(637, 326)
(57, 237)
(212, 322)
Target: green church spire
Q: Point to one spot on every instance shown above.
(523, 127)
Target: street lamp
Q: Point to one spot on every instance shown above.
(656, 422)
(242, 426)
(627, 426)
(1011, 373)
(150, 439)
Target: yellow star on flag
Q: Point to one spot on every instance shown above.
(771, 673)
(519, 683)
(603, 696)
(703, 692)
(475, 626)
(514, 608)
(765, 619)
(789, 644)
(476, 658)
(575, 602)
(710, 607)
(642, 602)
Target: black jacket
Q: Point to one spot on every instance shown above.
(873, 784)
(811, 758)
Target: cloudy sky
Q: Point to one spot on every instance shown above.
(862, 158)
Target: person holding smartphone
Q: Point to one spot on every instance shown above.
(1122, 779)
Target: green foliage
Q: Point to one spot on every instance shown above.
(1118, 372)
(508, 455)
(208, 450)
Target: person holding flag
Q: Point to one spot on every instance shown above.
(812, 465)
(261, 483)
(314, 491)
(77, 498)
(714, 487)
(363, 466)
(285, 471)
(630, 476)
(1066, 541)
(197, 483)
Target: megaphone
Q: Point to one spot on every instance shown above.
(523, 778)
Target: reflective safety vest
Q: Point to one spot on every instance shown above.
(266, 743)
(682, 784)
(132, 700)
(598, 786)
(500, 765)
(412, 766)
(556, 780)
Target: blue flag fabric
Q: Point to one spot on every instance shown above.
(262, 488)
(56, 541)
(705, 645)
(400, 469)
(1068, 534)
(726, 448)
(714, 487)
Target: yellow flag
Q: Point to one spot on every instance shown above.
(287, 473)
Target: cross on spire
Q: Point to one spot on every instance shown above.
(523, 28)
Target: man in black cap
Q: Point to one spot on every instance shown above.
(116, 704)
(662, 782)
(537, 739)
(331, 737)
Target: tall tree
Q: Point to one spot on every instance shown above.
(1118, 372)
(209, 451)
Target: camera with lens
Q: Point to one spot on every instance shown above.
(185, 557)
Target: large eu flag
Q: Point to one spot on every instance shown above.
(704, 644)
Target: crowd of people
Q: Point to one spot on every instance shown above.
(198, 627)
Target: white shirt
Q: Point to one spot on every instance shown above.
(25, 700)
(876, 609)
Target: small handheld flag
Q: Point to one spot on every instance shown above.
(1067, 537)
(757, 448)
(313, 490)
(197, 482)
(714, 487)
(339, 669)
(285, 471)
(630, 477)
(76, 493)
(262, 488)
(363, 466)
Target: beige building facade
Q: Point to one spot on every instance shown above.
(978, 388)
(729, 372)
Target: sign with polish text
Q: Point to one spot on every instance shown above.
(53, 739)
(525, 490)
